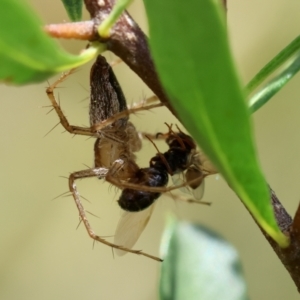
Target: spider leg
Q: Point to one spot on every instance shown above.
(123, 184)
(96, 172)
(124, 113)
(63, 120)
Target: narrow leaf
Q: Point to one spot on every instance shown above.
(271, 88)
(283, 56)
(191, 52)
(73, 8)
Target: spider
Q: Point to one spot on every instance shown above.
(116, 142)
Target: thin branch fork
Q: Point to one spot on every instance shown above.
(129, 43)
(126, 40)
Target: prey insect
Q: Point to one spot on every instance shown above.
(181, 159)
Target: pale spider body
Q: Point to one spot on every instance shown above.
(120, 139)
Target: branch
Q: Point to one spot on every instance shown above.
(126, 40)
(290, 256)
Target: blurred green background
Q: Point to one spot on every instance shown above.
(43, 256)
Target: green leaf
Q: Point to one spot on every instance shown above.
(283, 56)
(289, 61)
(190, 49)
(264, 94)
(73, 8)
(199, 264)
(27, 54)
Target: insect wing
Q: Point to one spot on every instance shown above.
(178, 180)
(195, 176)
(130, 227)
(199, 191)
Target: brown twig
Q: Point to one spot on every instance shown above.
(130, 43)
(290, 256)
